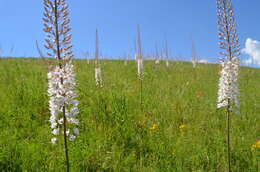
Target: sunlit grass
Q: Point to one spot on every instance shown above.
(179, 128)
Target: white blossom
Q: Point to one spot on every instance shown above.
(62, 97)
(140, 68)
(194, 62)
(55, 131)
(228, 93)
(167, 63)
(60, 121)
(76, 131)
(72, 137)
(98, 76)
(54, 140)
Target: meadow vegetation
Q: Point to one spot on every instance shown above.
(178, 129)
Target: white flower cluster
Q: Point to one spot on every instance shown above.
(228, 93)
(62, 97)
(167, 63)
(98, 77)
(140, 68)
(194, 63)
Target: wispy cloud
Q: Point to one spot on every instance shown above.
(252, 48)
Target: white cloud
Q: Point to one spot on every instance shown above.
(204, 61)
(252, 48)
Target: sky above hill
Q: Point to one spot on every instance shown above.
(178, 22)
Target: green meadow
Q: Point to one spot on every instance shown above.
(177, 129)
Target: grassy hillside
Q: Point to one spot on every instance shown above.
(179, 128)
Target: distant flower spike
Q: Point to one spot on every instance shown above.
(98, 74)
(139, 55)
(194, 55)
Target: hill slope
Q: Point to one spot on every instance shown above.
(179, 128)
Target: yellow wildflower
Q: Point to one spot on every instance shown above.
(154, 127)
(183, 127)
(256, 146)
(253, 147)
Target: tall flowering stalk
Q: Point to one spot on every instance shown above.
(139, 55)
(157, 56)
(98, 75)
(166, 54)
(126, 59)
(62, 104)
(140, 66)
(228, 93)
(194, 55)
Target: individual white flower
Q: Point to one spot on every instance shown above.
(55, 131)
(72, 137)
(54, 124)
(67, 132)
(54, 140)
(76, 131)
(60, 121)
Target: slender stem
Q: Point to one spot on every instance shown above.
(228, 134)
(229, 106)
(141, 93)
(61, 79)
(65, 139)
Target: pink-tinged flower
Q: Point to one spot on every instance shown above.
(62, 95)
(228, 93)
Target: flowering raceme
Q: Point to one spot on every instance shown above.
(61, 80)
(62, 95)
(140, 68)
(98, 76)
(228, 84)
(228, 93)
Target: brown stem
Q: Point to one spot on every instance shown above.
(61, 80)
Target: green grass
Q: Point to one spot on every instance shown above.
(115, 134)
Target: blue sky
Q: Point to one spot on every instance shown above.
(178, 21)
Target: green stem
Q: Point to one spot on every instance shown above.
(228, 135)
(141, 94)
